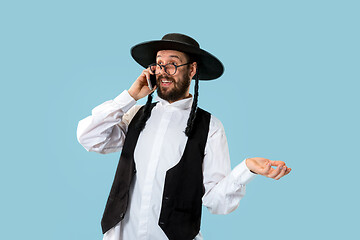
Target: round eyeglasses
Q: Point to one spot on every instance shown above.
(169, 68)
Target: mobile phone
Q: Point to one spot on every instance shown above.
(152, 81)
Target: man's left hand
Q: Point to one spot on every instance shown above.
(263, 167)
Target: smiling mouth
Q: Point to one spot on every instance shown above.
(165, 82)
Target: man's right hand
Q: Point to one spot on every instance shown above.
(140, 88)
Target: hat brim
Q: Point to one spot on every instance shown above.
(209, 66)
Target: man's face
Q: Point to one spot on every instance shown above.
(173, 87)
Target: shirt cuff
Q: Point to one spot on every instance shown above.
(242, 174)
(125, 101)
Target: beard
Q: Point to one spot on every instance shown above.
(178, 90)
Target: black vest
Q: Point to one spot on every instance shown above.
(180, 215)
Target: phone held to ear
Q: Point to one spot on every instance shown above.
(152, 81)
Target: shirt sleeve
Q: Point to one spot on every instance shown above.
(223, 188)
(104, 131)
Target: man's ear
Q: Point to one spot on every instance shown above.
(193, 68)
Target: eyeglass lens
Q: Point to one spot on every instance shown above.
(169, 68)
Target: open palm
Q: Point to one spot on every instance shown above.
(263, 167)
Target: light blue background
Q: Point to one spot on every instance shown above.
(290, 92)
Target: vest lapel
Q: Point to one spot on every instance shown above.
(119, 194)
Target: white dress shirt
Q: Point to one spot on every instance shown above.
(160, 147)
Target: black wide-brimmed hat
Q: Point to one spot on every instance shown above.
(208, 65)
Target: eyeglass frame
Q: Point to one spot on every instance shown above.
(164, 66)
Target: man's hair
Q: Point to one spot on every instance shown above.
(190, 123)
(192, 115)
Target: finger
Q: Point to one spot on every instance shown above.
(277, 163)
(275, 172)
(288, 170)
(141, 80)
(147, 82)
(149, 69)
(281, 174)
(266, 170)
(154, 88)
(147, 74)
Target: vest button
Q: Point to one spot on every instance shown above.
(161, 223)
(166, 199)
(122, 215)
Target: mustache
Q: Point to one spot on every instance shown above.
(159, 77)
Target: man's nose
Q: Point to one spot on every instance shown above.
(162, 70)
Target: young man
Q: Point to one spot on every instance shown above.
(174, 155)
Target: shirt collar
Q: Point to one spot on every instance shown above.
(181, 104)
